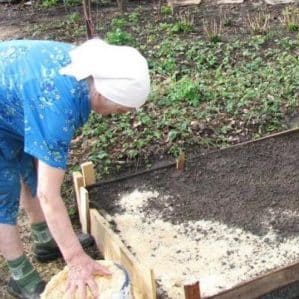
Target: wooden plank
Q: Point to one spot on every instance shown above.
(88, 173)
(84, 210)
(192, 291)
(78, 183)
(143, 283)
(261, 285)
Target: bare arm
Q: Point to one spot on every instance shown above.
(49, 183)
(82, 267)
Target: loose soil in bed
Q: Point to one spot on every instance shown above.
(237, 208)
(239, 186)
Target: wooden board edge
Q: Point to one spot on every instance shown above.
(84, 210)
(78, 183)
(261, 285)
(88, 173)
(278, 134)
(142, 278)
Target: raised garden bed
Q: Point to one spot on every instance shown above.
(228, 220)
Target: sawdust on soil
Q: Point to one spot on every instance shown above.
(229, 217)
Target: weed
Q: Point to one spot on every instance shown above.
(134, 17)
(118, 23)
(181, 27)
(186, 17)
(213, 30)
(49, 3)
(185, 90)
(166, 10)
(228, 23)
(72, 2)
(290, 18)
(119, 37)
(259, 23)
(73, 18)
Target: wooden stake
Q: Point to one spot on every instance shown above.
(84, 210)
(88, 172)
(78, 183)
(192, 291)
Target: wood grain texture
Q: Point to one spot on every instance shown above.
(192, 291)
(84, 210)
(143, 282)
(88, 173)
(261, 285)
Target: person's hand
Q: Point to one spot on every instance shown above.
(82, 269)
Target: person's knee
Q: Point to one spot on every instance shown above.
(28, 174)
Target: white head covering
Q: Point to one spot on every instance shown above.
(120, 73)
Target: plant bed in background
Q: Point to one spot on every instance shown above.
(228, 217)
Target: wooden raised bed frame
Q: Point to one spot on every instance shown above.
(143, 280)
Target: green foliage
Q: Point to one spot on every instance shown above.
(166, 10)
(290, 18)
(178, 27)
(134, 17)
(118, 23)
(293, 27)
(181, 27)
(229, 88)
(72, 2)
(185, 90)
(73, 18)
(49, 3)
(119, 37)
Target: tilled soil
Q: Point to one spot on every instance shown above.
(238, 186)
(251, 188)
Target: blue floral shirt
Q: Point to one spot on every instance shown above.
(39, 108)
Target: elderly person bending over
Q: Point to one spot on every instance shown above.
(47, 91)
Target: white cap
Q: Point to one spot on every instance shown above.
(120, 73)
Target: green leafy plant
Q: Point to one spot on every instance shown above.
(118, 23)
(49, 3)
(72, 2)
(185, 90)
(119, 37)
(134, 17)
(73, 18)
(181, 27)
(166, 10)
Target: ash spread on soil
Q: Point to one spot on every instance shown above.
(253, 186)
(228, 217)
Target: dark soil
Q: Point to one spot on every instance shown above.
(237, 186)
